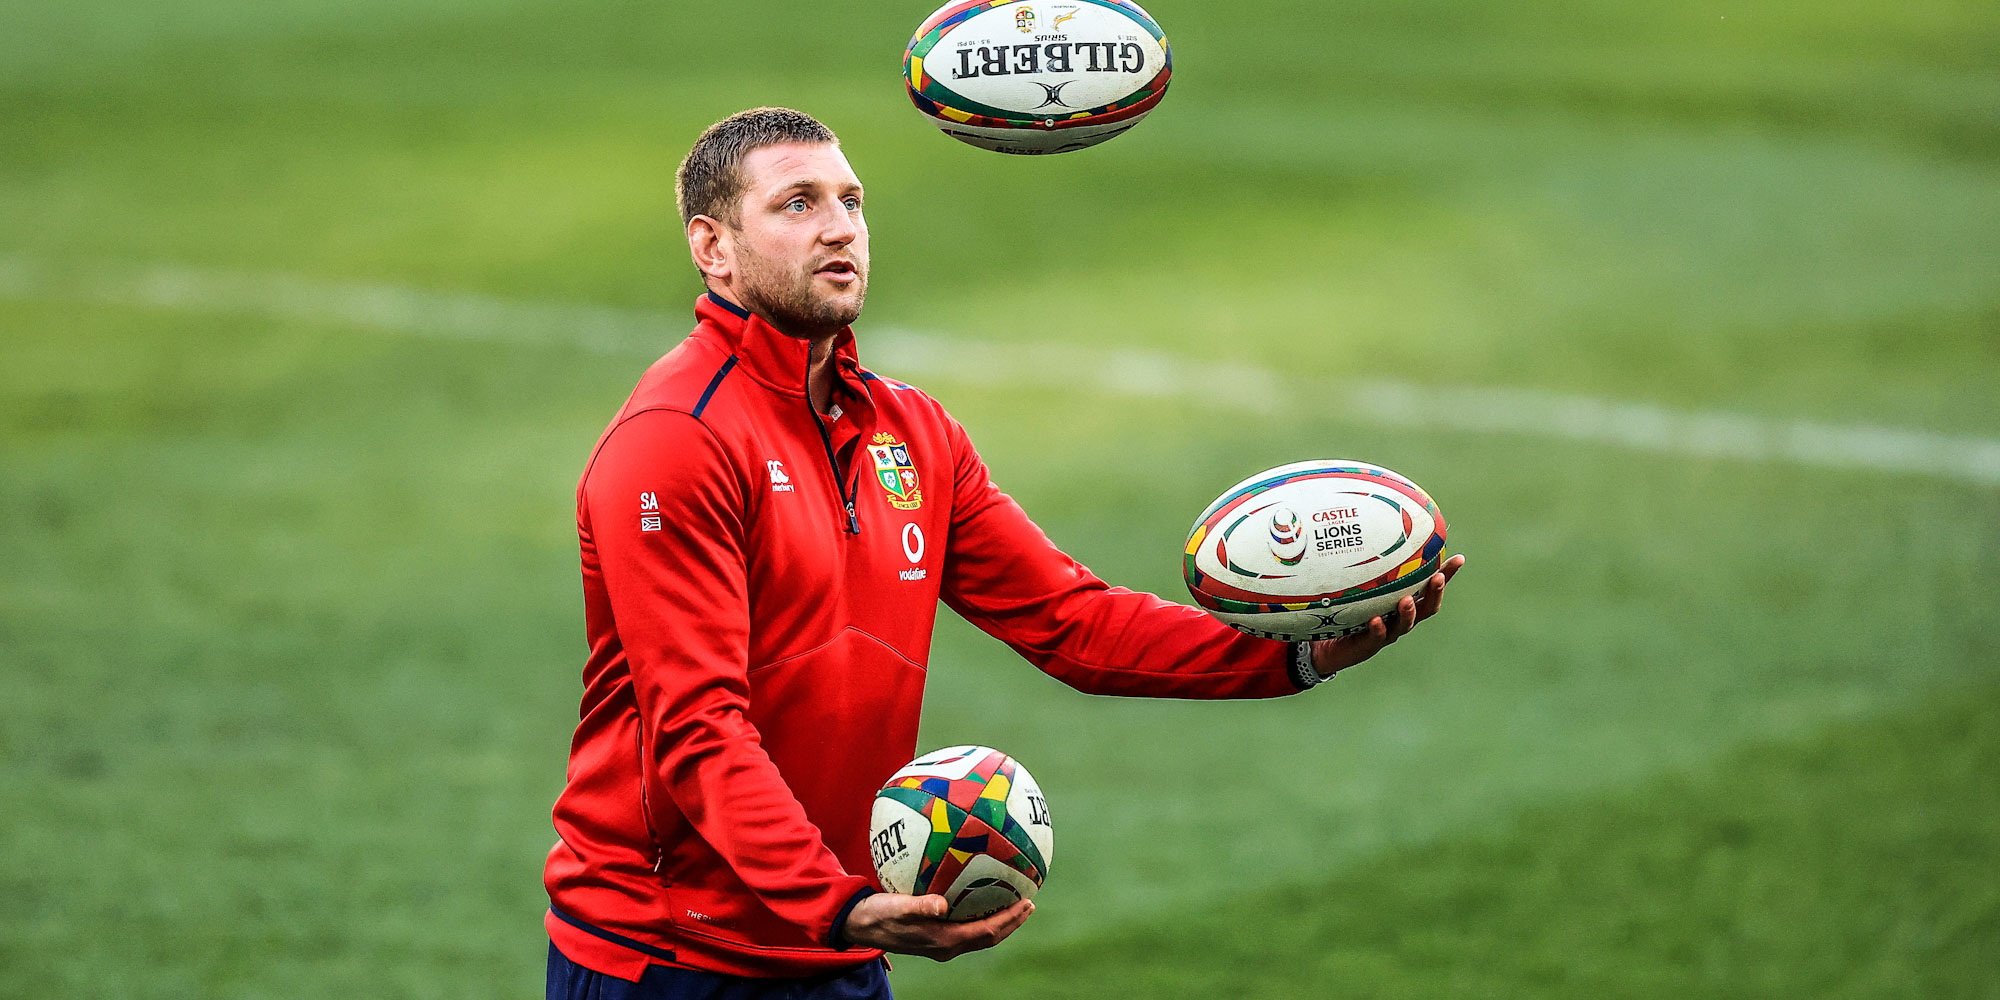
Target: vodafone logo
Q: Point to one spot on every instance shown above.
(913, 546)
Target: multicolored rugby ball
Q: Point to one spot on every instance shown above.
(967, 823)
(1313, 550)
(1035, 77)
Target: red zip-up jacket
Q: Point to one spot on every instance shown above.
(759, 606)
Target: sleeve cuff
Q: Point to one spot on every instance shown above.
(1303, 673)
(834, 938)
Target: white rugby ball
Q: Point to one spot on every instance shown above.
(1313, 550)
(968, 823)
(1036, 77)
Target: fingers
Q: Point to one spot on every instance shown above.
(955, 939)
(1383, 630)
(889, 907)
(1406, 617)
(1330, 656)
(1432, 597)
(921, 925)
(994, 929)
(895, 922)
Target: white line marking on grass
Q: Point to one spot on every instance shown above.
(1635, 426)
(369, 306)
(1138, 373)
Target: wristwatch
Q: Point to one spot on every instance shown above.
(1304, 674)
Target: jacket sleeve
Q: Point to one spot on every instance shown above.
(678, 591)
(1002, 574)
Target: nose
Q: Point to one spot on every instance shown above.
(840, 229)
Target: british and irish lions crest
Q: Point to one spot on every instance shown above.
(895, 471)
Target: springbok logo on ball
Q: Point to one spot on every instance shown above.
(1288, 536)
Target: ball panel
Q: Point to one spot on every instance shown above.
(956, 808)
(1313, 550)
(964, 776)
(1348, 529)
(1033, 141)
(1009, 76)
(1321, 623)
(955, 839)
(985, 887)
(1028, 817)
(984, 63)
(1308, 538)
(1271, 477)
(954, 12)
(951, 763)
(896, 840)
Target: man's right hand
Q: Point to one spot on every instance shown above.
(916, 925)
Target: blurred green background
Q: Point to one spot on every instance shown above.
(298, 367)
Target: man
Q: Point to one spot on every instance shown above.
(766, 529)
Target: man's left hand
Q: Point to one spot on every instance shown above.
(1330, 656)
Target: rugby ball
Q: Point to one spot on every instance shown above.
(1037, 77)
(1313, 550)
(967, 823)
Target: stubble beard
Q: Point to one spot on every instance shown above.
(786, 297)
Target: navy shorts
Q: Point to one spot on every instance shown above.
(570, 981)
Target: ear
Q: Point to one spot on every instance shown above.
(708, 243)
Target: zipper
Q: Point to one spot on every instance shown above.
(832, 460)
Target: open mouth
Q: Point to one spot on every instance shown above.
(838, 270)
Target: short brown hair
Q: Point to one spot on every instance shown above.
(710, 180)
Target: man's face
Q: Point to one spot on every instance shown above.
(800, 256)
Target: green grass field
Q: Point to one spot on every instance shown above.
(290, 626)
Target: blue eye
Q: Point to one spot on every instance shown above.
(853, 204)
(798, 204)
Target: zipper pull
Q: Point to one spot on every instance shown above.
(853, 523)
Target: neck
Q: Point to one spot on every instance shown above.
(820, 374)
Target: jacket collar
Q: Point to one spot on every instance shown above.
(773, 358)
